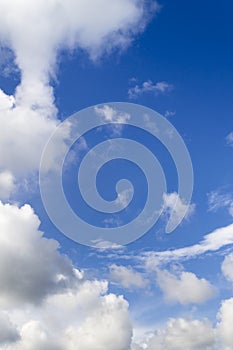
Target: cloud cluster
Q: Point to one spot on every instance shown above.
(190, 334)
(181, 334)
(47, 303)
(227, 267)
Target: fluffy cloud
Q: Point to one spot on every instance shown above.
(82, 318)
(181, 334)
(184, 288)
(127, 277)
(162, 87)
(189, 334)
(47, 302)
(224, 326)
(30, 265)
(24, 132)
(92, 26)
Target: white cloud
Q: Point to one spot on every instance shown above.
(23, 134)
(224, 326)
(172, 203)
(213, 241)
(185, 287)
(218, 199)
(36, 32)
(92, 26)
(229, 139)
(127, 277)
(181, 334)
(227, 267)
(161, 87)
(106, 245)
(111, 115)
(30, 265)
(48, 303)
(189, 334)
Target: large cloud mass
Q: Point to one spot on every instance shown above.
(47, 303)
(36, 32)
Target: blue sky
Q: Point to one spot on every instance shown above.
(177, 62)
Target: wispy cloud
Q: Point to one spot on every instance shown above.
(219, 199)
(169, 114)
(211, 242)
(161, 87)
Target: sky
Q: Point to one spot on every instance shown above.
(79, 75)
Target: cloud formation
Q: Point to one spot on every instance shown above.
(211, 242)
(36, 33)
(181, 334)
(172, 203)
(161, 87)
(127, 277)
(193, 334)
(48, 303)
(184, 287)
(218, 199)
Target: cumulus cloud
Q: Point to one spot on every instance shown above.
(127, 277)
(24, 132)
(48, 303)
(224, 326)
(190, 334)
(92, 26)
(161, 87)
(184, 287)
(30, 265)
(181, 334)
